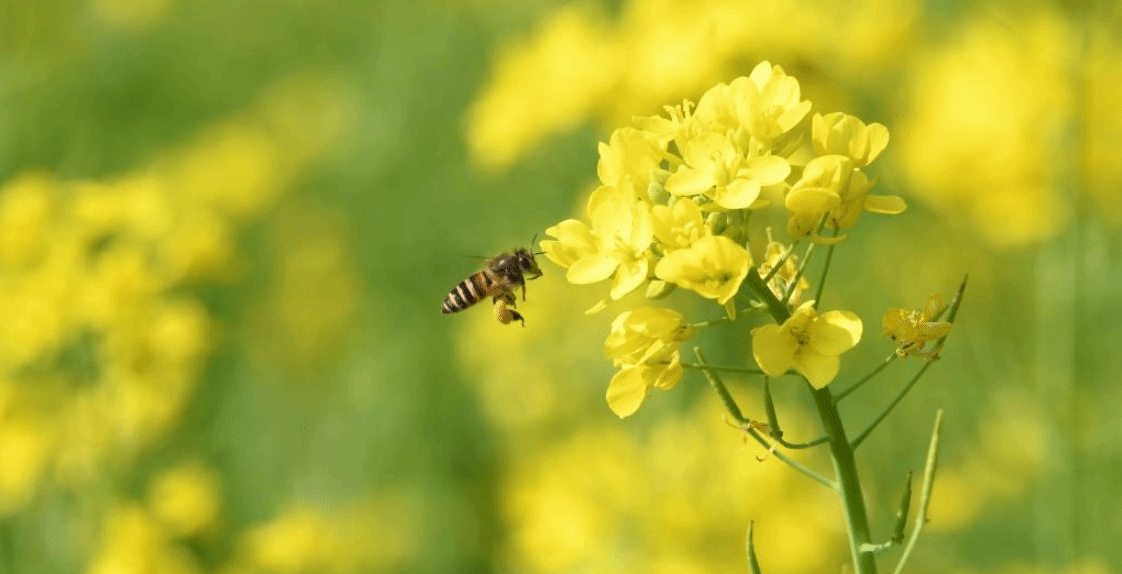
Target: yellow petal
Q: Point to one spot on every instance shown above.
(591, 269)
(819, 369)
(934, 330)
(812, 200)
(667, 376)
(773, 348)
(886, 204)
(690, 181)
(767, 170)
(630, 276)
(599, 306)
(738, 194)
(878, 140)
(835, 332)
(626, 391)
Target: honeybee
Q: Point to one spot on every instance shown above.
(504, 273)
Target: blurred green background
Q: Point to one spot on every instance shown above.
(225, 229)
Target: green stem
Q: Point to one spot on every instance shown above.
(750, 548)
(791, 462)
(825, 270)
(773, 423)
(849, 483)
(704, 367)
(887, 361)
(746, 423)
(719, 386)
(776, 308)
(899, 397)
(925, 492)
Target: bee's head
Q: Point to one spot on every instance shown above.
(527, 263)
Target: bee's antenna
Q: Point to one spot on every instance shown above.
(532, 242)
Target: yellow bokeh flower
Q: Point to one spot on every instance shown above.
(807, 342)
(713, 266)
(133, 541)
(644, 344)
(186, 499)
(988, 128)
(912, 329)
(617, 244)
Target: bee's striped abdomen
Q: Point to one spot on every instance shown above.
(469, 292)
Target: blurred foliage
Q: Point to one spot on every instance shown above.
(225, 228)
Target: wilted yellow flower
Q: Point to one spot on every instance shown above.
(713, 266)
(807, 342)
(912, 329)
(785, 277)
(644, 344)
(617, 244)
(843, 134)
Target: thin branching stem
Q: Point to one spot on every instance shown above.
(884, 413)
(825, 271)
(816, 477)
(745, 423)
(750, 549)
(773, 424)
(899, 397)
(707, 367)
(887, 361)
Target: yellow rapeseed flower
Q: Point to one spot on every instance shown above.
(679, 225)
(715, 167)
(713, 266)
(912, 329)
(617, 244)
(644, 344)
(807, 342)
(629, 153)
(766, 105)
(847, 135)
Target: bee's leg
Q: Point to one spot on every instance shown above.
(504, 313)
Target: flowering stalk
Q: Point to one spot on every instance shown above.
(673, 211)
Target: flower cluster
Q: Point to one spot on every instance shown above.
(644, 345)
(676, 196)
